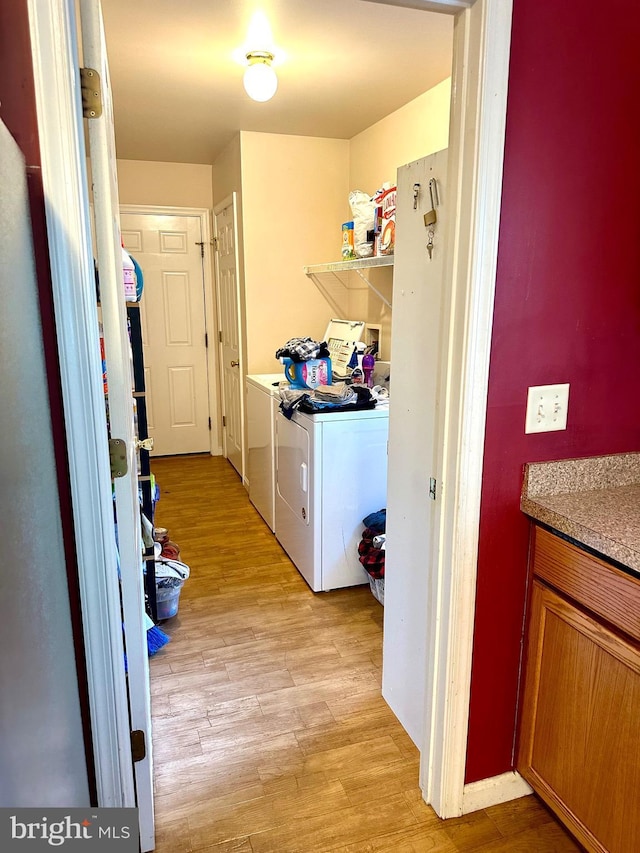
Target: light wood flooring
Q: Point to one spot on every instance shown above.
(269, 731)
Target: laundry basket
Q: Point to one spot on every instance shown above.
(167, 597)
(371, 552)
(170, 578)
(377, 588)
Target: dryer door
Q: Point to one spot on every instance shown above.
(294, 525)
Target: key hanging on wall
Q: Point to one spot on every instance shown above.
(431, 217)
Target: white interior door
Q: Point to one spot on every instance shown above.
(121, 421)
(415, 343)
(225, 230)
(168, 249)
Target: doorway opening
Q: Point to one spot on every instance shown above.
(471, 301)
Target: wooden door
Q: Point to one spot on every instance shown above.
(229, 313)
(168, 249)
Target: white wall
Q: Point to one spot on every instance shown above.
(293, 200)
(165, 184)
(227, 172)
(292, 194)
(419, 128)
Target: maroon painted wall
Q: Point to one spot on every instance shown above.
(567, 305)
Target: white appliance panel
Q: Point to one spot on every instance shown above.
(294, 528)
(262, 405)
(354, 484)
(321, 498)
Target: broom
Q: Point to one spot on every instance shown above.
(156, 637)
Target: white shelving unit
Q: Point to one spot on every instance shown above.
(358, 265)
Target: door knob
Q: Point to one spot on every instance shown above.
(235, 363)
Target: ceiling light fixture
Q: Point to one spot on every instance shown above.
(260, 80)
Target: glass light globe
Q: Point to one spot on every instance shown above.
(260, 80)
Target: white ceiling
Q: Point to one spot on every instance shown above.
(177, 89)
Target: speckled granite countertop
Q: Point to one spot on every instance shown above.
(595, 501)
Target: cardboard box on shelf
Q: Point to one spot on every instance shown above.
(386, 221)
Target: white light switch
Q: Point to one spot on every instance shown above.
(547, 408)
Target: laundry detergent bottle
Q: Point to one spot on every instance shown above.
(368, 365)
(128, 276)
(307, 374)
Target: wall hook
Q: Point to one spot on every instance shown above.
(433, 190)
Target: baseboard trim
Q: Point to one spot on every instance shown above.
(492, 791)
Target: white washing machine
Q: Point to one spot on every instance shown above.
(262, 404)
(331, 471)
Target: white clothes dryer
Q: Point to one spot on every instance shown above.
(263, 400)
(331, 472)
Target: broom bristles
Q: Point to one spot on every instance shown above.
(156, 639)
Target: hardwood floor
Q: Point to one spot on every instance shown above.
(269, 731)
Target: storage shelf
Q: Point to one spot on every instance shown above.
(355, 264)
(358, 265)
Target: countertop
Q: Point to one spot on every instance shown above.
(595, 501)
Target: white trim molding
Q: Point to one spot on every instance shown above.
(232, 200)
(58, 100)
(495, 790)
(482, 36)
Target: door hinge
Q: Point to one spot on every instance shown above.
(138, 745)
(224, 420)
(220, 335)
(91, 93)
(206, 340)
(215, 244)
(203, 243)
(117, 457)
(432, 488)
(209, 424)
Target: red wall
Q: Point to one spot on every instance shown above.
(567, 304)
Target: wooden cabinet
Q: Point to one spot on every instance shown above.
(579, 744)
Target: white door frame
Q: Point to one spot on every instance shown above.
(482, 40)
(210, 311)
(54, 54)
(232, 200)
(121, 411)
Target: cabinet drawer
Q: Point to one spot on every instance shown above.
(597, 585)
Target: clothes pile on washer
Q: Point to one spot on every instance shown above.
(327, 398)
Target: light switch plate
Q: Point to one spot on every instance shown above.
(547, 408)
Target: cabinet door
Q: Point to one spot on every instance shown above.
(580, 731)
